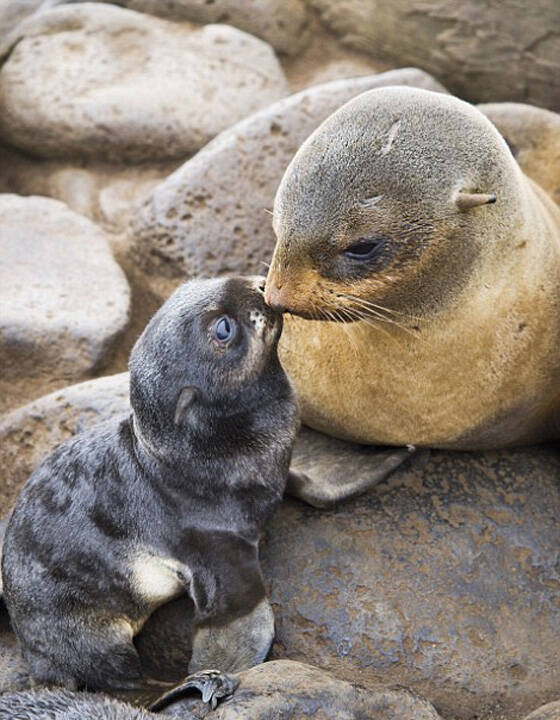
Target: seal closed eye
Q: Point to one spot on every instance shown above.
(426, 265)
(168, 501)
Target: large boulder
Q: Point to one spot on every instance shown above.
(482, 52)
(210, 215)
(128, 86)
(533, 135)
(64, 299)
(444, 579)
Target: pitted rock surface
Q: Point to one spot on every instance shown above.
(533, 135)
(210, 216)
(483, 53)
(128, 86)
(64, 299)
(445, 578)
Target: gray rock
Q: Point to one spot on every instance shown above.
(482, 52)
(64, 299)
(533, 135)
(445, 579)
(209, 216)
(28, 434)
(282, 23)
(128, 86)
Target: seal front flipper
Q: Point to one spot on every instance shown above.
(234, 643)
(213, 685)
(326, 471)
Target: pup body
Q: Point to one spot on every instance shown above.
(172, 499)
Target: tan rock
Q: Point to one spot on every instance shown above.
(65, 301)
(213, 214)
(533, 135)
(551, 711)
(128, 86)
(488, 52)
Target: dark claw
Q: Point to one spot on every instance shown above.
(213, 685)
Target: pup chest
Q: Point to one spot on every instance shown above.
(156, 580)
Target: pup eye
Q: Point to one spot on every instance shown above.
(365, 249)
(224, 329)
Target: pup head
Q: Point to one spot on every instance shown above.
(208, 353)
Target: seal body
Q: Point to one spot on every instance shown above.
(427, 268)
(168, 501)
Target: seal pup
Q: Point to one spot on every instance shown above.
(169, 500)
(427, 268)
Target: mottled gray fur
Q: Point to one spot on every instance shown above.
(169, 500)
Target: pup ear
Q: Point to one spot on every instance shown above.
(466, 201)
(187, 396)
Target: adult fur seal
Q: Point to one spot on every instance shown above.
(170, 500)
(405, 217)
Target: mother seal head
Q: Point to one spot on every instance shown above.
(405, 217)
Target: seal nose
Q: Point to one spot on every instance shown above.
(273, 297)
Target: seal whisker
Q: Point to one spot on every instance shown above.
(378, 307)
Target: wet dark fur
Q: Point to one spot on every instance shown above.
(198, 491)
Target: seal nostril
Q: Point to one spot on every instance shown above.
(261, 287)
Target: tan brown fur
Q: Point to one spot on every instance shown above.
(464, 353)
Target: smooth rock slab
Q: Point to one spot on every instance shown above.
(64, 299)
(483, 52)
(533, 135)
(97, 81)
(210, 216)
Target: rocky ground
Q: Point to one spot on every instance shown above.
(141, 143)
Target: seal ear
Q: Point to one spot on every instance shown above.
(466, 201)
(187, 396)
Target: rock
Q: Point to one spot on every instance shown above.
(443, 579)
(551, 711)
(28, 434)
(287, 690)
(106, 193)
(210, 216)
(126, 86)
(483, 53)
(12, 12)
(282, 23)
(64, 299)
(533, 135)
